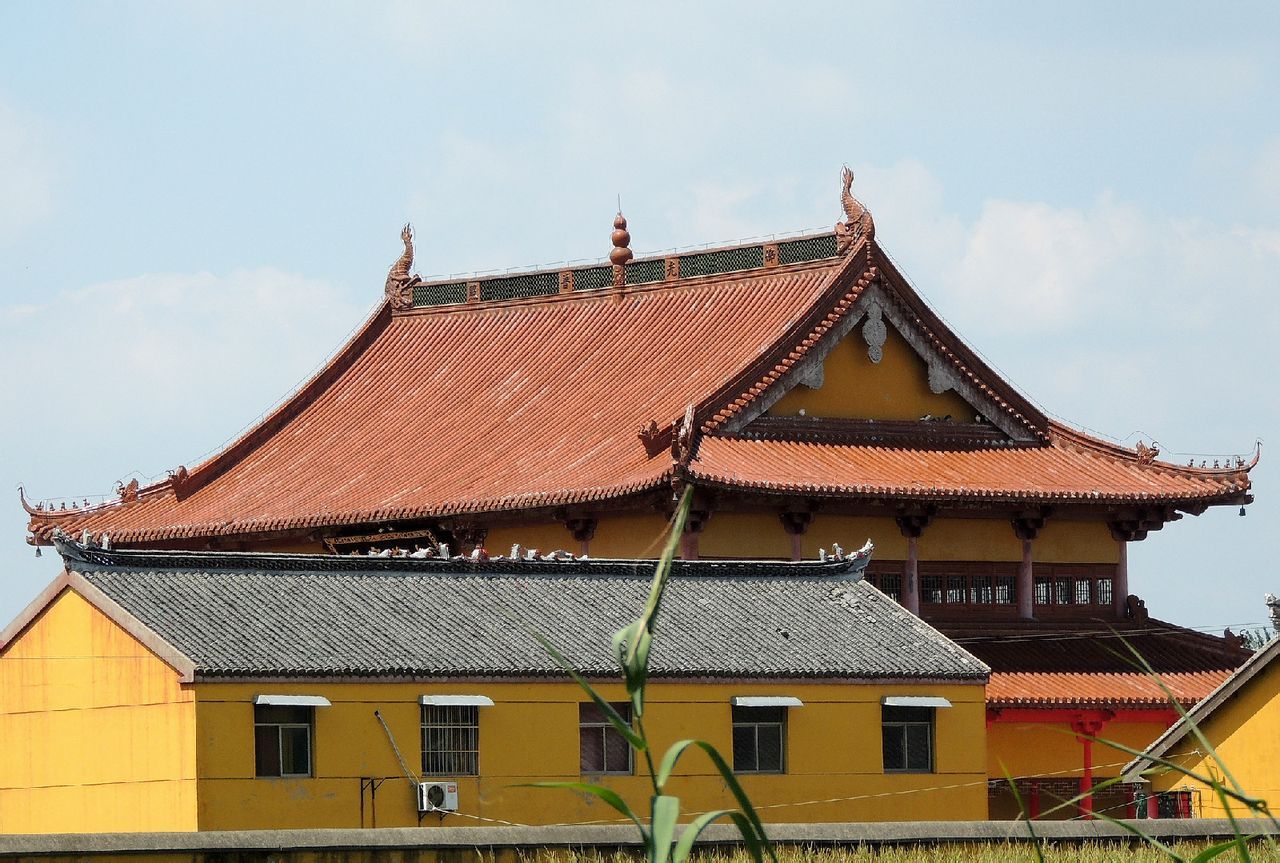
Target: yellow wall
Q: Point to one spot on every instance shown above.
(630, 535)
(745, 535)
(1075, 542)
(896, 388)
(96, 733)
(1245, 731)
(1048, 749)
(546, 537)
(531, 734)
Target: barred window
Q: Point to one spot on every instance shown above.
(1006, 590)
(891, 585)
(1104, 591)
(931, 589)
(1084, 591)
(1042, 591)
(759, 739)
(450, 740)
(602, 748)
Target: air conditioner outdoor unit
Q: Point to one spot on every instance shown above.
(438, 795)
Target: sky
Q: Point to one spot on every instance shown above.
(199, 201)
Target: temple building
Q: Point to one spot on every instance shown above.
(808, 395)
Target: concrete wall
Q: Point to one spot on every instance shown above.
(96, 733)
(531, 735)
(1245, 732)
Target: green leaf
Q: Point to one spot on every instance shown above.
(607, 795)
(665, 812)
(615, 719)
(726, 772)
(755, 847)
(693, 830)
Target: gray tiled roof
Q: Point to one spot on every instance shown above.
(307, 623)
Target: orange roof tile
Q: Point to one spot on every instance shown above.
(1116, 689)
(1061, 471)
(484, 407)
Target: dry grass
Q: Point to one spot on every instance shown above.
(943, 853)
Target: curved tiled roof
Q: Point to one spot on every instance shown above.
(1094, 690)
(414, 622)
(486, 407)
(1058, 472)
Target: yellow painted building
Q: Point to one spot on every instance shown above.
(1241, 721)
(147, 691)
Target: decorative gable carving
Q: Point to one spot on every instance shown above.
(875, 310)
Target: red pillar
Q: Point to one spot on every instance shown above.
(1033, 799)
(1153, 804)
(1086, 781)
(1120, 587)
(910, 581)
(1026, 583)
(1130, 801)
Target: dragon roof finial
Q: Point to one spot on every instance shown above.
(399, 288)
(858, 222)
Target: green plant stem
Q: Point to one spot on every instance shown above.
(648, 757)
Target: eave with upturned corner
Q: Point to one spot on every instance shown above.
(832, 281)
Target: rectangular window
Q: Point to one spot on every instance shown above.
(282, 740)
(907, 739)
(759, 740)
(1084, 591)
(450, 740)
(931, 589)
(1062, 591)
(1043, 596)
(1104, 591)
(980, 592)
(1006, 590)
(602, 748)
(955, 589)
(892, 586)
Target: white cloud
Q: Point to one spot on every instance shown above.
(27, 174)
(147, 372)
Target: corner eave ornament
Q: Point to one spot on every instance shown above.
(399, 289)
(858, 222)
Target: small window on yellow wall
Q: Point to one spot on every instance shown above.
(282, 740)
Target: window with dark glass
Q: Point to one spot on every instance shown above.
(759, 739)
(450, 740)
(602, 748)
(907, 739)
(282, 740)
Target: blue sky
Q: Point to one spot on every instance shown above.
(198, 201)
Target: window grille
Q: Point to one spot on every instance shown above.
(724, 261)
(1006, 592)
(891, 585)
(450, 740)
(440, 295)
(759, 739)
(601, 748)
(807, 249)
(907, 738)
(931, 589)
(593, 279)
(282, 740)
(980, 590)
(643, 272)
(1062, 591)
(1042, 591)
(1084, 591)
(1104, 591)
(516, 287)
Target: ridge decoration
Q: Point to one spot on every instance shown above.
(858, 222)
(399, 287)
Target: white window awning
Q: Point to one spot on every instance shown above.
(766, 701)
(292, 700)
(915, 701)
(457, 700)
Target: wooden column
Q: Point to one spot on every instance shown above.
(795, 523)
(912, 525)
(1026, 527)
(1088, 726)
(692, 529)
(1120, 585)
(583, 530)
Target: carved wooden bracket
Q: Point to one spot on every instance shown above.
(913, 522)
(795, 523)
(1134, 526)
(583, 529)
(1028, 523)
